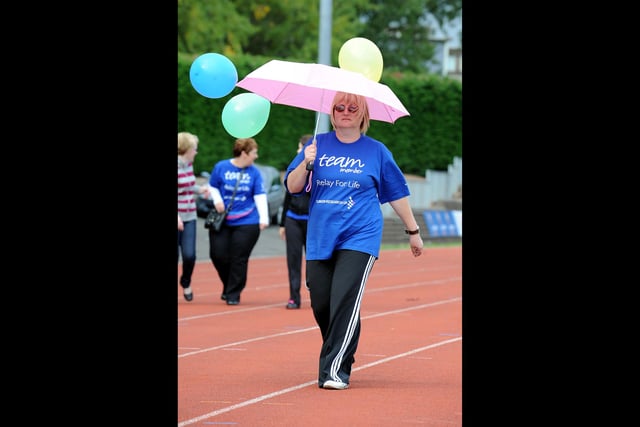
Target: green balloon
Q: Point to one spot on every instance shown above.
(245, 115)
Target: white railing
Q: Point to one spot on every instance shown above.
(438, 185)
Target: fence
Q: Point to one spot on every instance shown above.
(437, 186)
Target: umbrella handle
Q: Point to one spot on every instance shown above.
(309, 167)
(315, 132)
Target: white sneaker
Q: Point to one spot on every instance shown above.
(335, 385)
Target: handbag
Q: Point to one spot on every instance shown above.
(214, 218)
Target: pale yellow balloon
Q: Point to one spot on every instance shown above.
(362, 56)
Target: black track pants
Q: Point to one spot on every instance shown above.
(336, 288)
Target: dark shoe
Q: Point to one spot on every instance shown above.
(292, 305)
(233, 302)
(223, 297)
(188, 296)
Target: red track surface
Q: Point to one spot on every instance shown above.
(256, 364)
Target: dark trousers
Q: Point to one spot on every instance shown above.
(229, 250)
(187, 246)
(336, 287)
(296, 238)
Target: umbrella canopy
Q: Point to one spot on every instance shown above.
(313, 86)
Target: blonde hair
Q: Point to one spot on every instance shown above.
(348, 99)
(186, 141)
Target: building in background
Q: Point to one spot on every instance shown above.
(448, 49)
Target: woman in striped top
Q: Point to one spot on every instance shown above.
(187, 218)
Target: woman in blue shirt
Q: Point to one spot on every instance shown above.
(230, 248)
(352, 175)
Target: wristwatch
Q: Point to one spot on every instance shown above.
(416, 231)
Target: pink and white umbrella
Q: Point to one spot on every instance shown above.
(313, 86)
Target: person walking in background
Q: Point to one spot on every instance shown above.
(349, 175)
(293, 230)
(230, 248)
(187, 218)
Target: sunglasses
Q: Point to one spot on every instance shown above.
(340, 108)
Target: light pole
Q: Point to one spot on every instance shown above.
(324, 50)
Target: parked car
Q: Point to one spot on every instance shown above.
(273, 186)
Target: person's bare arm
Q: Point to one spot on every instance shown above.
(297, 179)
(402, 208)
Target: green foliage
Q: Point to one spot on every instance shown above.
(212, 26)
(444, 10)
(290, 28)
(400, 33)
(285, 28)
(427, 139)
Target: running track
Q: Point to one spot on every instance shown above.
(256, 364)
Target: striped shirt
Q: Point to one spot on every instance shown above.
(187, 190)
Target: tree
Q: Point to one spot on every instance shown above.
(402, 32)
(212, 26)
(288, 29)
(285, 29)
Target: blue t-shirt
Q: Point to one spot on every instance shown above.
(349, 183)
(243, 210)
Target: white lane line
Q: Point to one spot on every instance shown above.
(281, 334)
(367, 291)
(307, 384)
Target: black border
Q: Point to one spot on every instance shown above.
(100, 191)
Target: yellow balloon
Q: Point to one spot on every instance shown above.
(362, 56)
